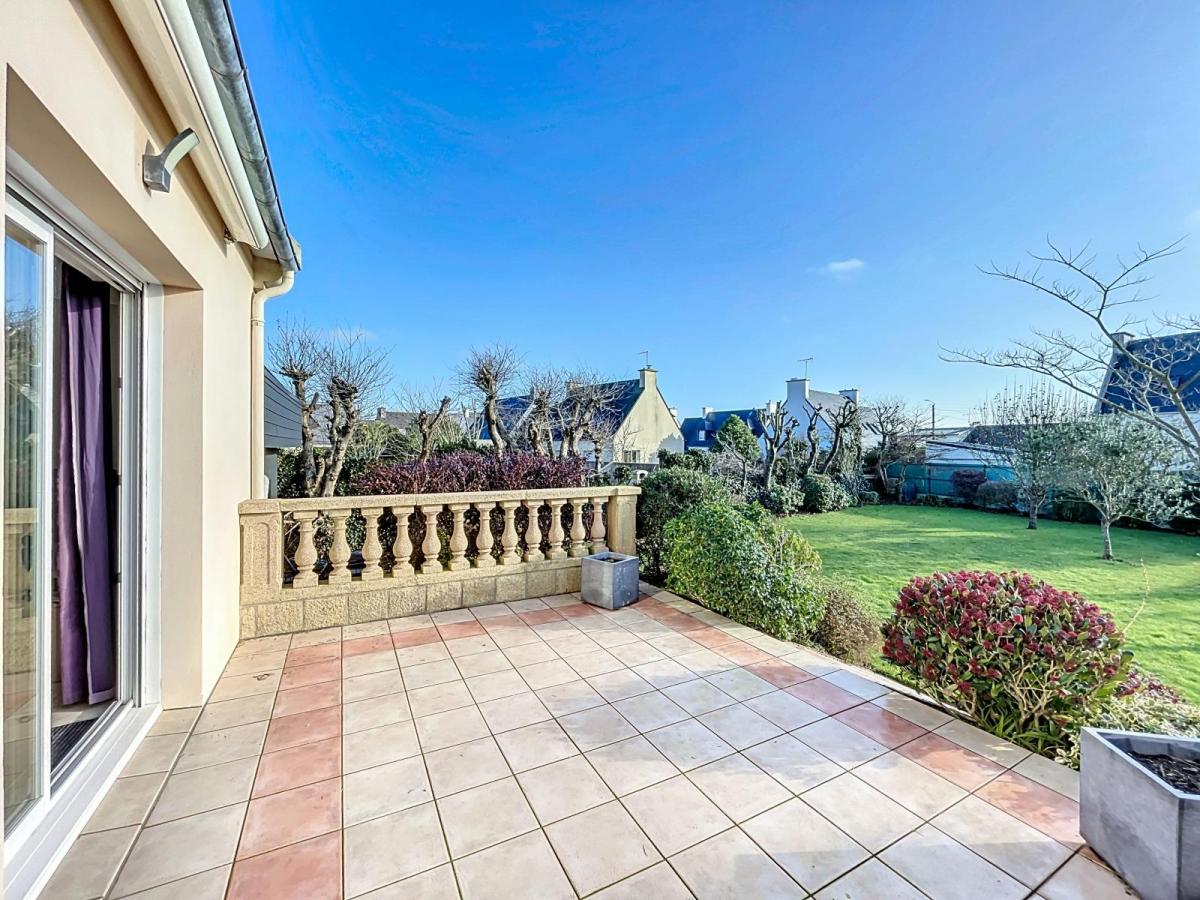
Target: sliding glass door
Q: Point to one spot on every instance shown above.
(71, 626)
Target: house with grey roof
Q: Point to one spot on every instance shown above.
(281, 426)
(642, 423)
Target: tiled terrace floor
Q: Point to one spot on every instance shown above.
(546, 749)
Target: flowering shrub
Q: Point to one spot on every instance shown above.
(739, 562)
(1143, 711)
(468, 470)
(1022, 657)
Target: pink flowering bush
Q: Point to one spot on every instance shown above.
(1025, 659)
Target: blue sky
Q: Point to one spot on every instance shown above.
(587, 182)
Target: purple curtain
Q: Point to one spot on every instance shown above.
(81, 515)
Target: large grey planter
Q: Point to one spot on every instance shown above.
(1144, 828)
(609, 579)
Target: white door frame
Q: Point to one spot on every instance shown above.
(40, 840)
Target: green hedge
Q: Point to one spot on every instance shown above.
(740, 563)
(666, 493)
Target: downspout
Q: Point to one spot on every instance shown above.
(258, 415)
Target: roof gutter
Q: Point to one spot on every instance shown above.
(214, 25)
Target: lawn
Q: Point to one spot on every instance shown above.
(875, 550)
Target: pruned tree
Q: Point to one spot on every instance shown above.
(845, 447)
(779, 429)
(1121, 467)
(1024, 438)
(488, 374)
(1150, 380)
(588, 411)
(432, 420)
(334, 376)
(735, 440)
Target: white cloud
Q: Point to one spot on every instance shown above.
(841, 268)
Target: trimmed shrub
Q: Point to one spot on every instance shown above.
(847, 629)
(868, 498)
(783, 499)
(699, 460)
(822, 494)
(996, 495)
(1145, 712)
(666, 493)
(966, 483)
(1024, 659)
(468, 470)
(740, 563)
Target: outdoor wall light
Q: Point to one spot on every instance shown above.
(157, 169)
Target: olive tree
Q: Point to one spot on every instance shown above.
(1121, 467)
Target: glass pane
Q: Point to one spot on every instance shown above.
(24, 275)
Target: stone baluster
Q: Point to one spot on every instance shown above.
(508, 539)
(431, 547)
(404, 547)
(578, 533)
(372, 550)
(556, 530)
(339, 549)
(598, 531)
(484, 541)
(458, 539)
(306, 552)
(533, 533)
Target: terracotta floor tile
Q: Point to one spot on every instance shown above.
(539, 616)
(297, 766)
(415, 637)
(304, 728)
(507, 620)
(779, 673)
(885, 727)
(278, 820)
(452, 630)
(711, 637)
(299, 676)
(828, 698)
(577, 611)
(959, 765)
(372, 644)
(1034, 804)
(307, 698)
(303, 656)
(310, 870)
(743, 654)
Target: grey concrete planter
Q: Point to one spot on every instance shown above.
(1144, 828)
(609, 579)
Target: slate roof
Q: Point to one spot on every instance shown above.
(712, 422)
(625, 395)
(1183, 352)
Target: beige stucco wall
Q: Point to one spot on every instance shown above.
(78, 106)
(649, 427)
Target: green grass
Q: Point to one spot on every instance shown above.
(875, 550)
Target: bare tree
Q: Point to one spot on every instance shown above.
(338, 373)
(1148, 377)
(1023, 438)
(588, 407)
(433, 421)
(896, 423)
(847, 436)
(489, 373)
(779, 428)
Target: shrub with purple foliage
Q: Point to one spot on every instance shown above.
(468, 470)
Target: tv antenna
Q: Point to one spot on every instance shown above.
(645, 354)
(806, 360)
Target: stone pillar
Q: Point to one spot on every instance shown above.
(404, 547)
(578, 533)
(372, 550)
(485, 540)
(533, 533)
(458, 538)
(508, 540)
(306, 551)
(622, 523)
(262, 552)
(556, 535)
(431, 547)
(598, 531)
(339, 550)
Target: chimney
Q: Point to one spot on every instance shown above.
(850, 394)
(772, 406)
(707, 411)
(1122, 338)
(649, 378)
(797, 392)
(380, 412)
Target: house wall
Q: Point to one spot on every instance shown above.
(77, 104)
(650, 426)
